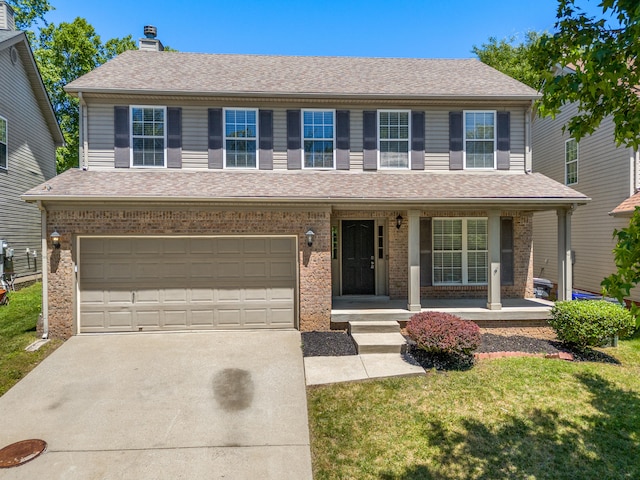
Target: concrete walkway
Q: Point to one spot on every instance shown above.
(322, 370)
(214, 405)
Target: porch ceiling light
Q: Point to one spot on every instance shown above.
(310, 234)
(398, 221)
(55, 239)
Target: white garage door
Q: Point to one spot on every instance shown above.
(151, 283)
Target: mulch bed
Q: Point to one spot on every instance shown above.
(337, 343)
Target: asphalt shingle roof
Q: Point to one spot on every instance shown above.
(303, 186)
(208, 74)
(626, 208)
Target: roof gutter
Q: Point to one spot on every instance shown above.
(314, 95)
(351, 200)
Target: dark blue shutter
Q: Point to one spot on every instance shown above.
(215, 138)
(343, 134)
(506, 251)
(504, 140)
(417, 140)
(425, 252)
(456, 141)
(294, 155)
(266, 139)
(174, 137)
(370, 139)
(121, 150)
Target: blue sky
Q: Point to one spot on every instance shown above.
(397, 28)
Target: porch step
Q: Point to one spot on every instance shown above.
(368, 326)
(367, 343)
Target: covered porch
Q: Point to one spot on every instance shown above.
(515, 312)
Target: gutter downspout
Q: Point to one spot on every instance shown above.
(527, 139)
(45, 271)
(84, 142)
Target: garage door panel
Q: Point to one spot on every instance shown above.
(150, 283)
(229, 317)
(175, 318)
(229, 246)
(202, 318)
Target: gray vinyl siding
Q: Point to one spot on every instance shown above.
(605, 174)
(194, 141)
(31, 162)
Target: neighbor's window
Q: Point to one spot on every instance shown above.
(241, 134)
(394, 138)
(148, 136)
(318, 132)
(480, 139)
(4, 147)
(460, 251)
(571, 161)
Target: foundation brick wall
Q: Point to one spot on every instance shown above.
(314, 263)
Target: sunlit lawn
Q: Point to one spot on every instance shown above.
(17, 330)
(518, 418)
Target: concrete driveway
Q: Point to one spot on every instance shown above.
(164, 406)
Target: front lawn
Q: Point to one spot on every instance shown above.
(17, 330)
(517, 418)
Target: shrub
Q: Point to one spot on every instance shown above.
(438, 332)
(590, 322)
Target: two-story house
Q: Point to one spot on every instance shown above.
(29, 135)
(248, 191)
(595, 166)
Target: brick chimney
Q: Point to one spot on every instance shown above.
(7, 20)
(150, 42)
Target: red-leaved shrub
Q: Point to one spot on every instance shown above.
(438, 332)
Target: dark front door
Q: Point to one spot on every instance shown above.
(358, 274)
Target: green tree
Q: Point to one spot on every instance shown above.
(28, 12)
(626, 255)
(65, 52)
(512, 58)
(603, 74)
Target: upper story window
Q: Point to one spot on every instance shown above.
(318, 137)
(393, 138)
(148, 136)
(4, 147)
(460, 251)
(480, 139)
(241, 134)
(571, 162)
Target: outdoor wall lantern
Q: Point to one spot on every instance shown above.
(398, 221)
(55, 239)
(310, 234)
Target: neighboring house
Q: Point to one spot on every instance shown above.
(29, 135)
(247, 191)
(602, 171)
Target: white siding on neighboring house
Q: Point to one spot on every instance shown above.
(31, 162)
(605, 174)
(195, 140)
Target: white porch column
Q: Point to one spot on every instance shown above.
(565, 268)
(494, 300)
(413, 290)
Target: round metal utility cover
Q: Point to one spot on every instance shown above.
(21, 452)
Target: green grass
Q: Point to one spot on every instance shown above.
(17, 330)
(517, 418)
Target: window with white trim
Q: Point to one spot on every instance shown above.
(393, 138)
(480, 139)
(4, 144)
(571, 162)
(460, 251)
(318, 138)
(240, 138)
(148, 136)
